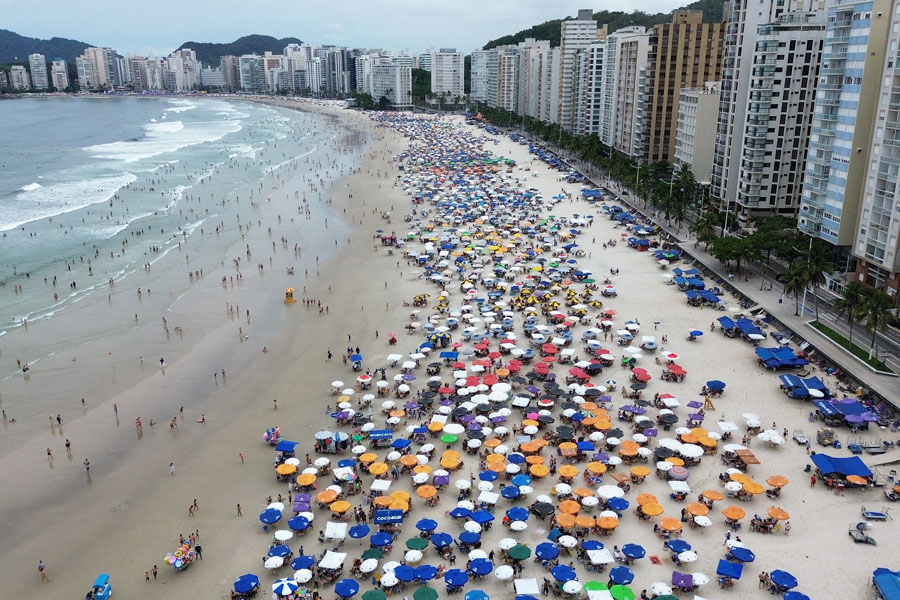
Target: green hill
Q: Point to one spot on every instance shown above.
(550, 30)
(15, 48)
(209, 53)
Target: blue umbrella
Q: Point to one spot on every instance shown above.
(285, 587)
(546, 551)
(246, 583)
(729, 569)
(426, 572)
(633, 551)
(304, 561)
(516, 459)
(617, 504)
(695, 333)
(678, 546)
(400, 443)
(460, 513)
(455, 578)
(476, 595)
(347, 462)
(481, 566)
(469, 537)
(563, 573)
(521, 479)
(270, 516)
(592, 545)
(381, 539)
(488, 476)
(517, 513)
(282, 551)
(795, 596)
(621, 575)
(441, 540)
(715, 385)
(783, 579)
(510, 492)
(482, 516)
(426, 525)
(299, 523)
(405, 573)
(359, 531)
(743, 555)
(346, 588)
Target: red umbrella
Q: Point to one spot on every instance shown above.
(639, 371)
(459, 366)
(676, 370)
(482, 363)
(445, 390)
(550, 349)
(541, 368)
(491, 379)
(643, 377)
(494, 355)
(514, 368)
(548, 359)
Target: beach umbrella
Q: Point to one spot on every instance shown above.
(368, 565)
(476, 595)
(270, 516)
(374, 595)
(389, 579)
(246, 583)
(620, 592)
(425, 593)
(372, 553)
(744, 555)
(280, 551)
(783, 579)
(285, 587)
(633, 551)
(426, 572)
(441, 540)
(416, 543)
(358, 531)
(381, 539)
(621, 575)
(346, 588)
(303, 575)
(563, 573)
(546, 551)
(519, 552)
(688, 556)
(405, 573)
(678, 546)
(504, 573)
(795, 596)
(455, 578)
(481, 566)
(572, 587)
(304, 561)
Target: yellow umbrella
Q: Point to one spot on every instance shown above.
(698, 509)
(751, 487)
(570, 507)
(378, 468)
(670, 524)
(741, 477)
(778, 514)
(408, 460)
(708, 442)
(401, 495)
(449, 463)
(285, 469)
(596, 467)
(497, 467)
(492, 458)
(326, 497)
(491, 443)
(306, 479)
(450, 454)
(607, 523)
(734, 513)
(398, 505)
(422, 469)
(534, 460)
(539, 470)
(713, 495)
(435, 426)
(856, 480)
(675, 461)
(568, 446)
(368, 457)
(426, 491)
(568, 470)
(583, 492)
(383, 501)
(645, 498)
(640, 471)
(777, 481)
(565, 520)
(585, 521)
(652, 509)
(340, 507)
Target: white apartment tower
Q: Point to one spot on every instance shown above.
(529, 75)
(447, 73)
(479, 75)
(38, 64)
(695, 138)
(576, 34)
(18, 78)
(59, 74)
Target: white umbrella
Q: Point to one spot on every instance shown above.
(276, 506)
(485, 486)
(393, 456)
(413, 556)
(284, 587)
(388, 404)
(567, 541)
(303, 576)
(563, 489)
(518, 525)
(472, 526)
(348, 392)
(273, 562)
(293, 461)
(748, 416)
(321, 462)
(702, 521)
(590, 501)
(477, 553)
(660, 589)
(733, 486)
(504, 572)
(572, 587)
(473, 443)
(507, 543)
(700, 578)
(358, 449)
(283, 535)
(420, 478)
(512, 468)
(610, 491)
(369, 565)
(687, 556)
(389, 579)
(462, 484)
(337, 384)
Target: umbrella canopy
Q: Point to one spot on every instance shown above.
(246, 583)
(425, 593)
(621, 575)
(783, 579)
(346, 588)
(285, 587)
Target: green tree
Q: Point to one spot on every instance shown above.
(746, 251)
(876, 308)
(724, 249)
(706, 227)
(795, 281)
(817, 264)
(850, 304)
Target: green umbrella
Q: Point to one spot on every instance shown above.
(416, 543)
(425, 593)
(357, 437)
(519, 552)
(449, 438)
(588, 280)
(372, 553)
(666, 597)
(373, 595)
(620, 592)
(594, 586)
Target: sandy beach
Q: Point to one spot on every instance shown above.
(126, 513)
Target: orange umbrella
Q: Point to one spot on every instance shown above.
(630, 444)
(449, 463)
(607, 523)
(340, 507)
(568, 470)
(670, 524)
(584, 521)
(675, 461)
(734, 513)
(713, 495)
(568, 446)
(368, 457)
(588, 406)
(777, 481)
(539, 470)
(530, 447)
(565, 520)
(408, 460)
(422, 469)
(698, 431)
(698, 509)
(689, 438)
(435, 426)
(397, 413)
(450, 454)
(426, 491)
(497, 467)
(590, 421)
(530, 422)
(708, 442)
(401, 495)
(646, 498)
(378, 468)
(534, 460)
(602, 425)
(306, 479)
(492, 458)
(741, 477)
(540, 443)
(751, 487)
(326, 497)
(596, 467)
(778, 514)
(652, 509)
(284, 469)
(491, 443)
(583, 492)
(628, 451)
(570, 507)
(397, 505)
(383, 501)
(640, 471)
(856, 480)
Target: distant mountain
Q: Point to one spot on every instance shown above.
(16, 48)
(550, 30)
(209, 53)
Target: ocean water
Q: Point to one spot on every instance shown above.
(94, 189)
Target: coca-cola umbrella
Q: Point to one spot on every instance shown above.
(638, 385)
(663, 453)
(668, 418)
(542, 508)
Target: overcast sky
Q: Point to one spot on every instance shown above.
(162, 25)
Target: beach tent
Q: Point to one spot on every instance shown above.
(831, 408)
(887, 584)
(850, 465)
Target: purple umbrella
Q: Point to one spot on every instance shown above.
(408, 377)
(532, 389)
(411, 405)
(651, 432)
(869, 417)
(342, 415)
(474, 426)
(682, 580)
(695, 404)
(442, 480)
(498, 419)
(603, 399)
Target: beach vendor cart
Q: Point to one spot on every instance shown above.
(101, 590)
(182, 558)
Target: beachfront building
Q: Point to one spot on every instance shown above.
(685, 53)
(393, 82)
(576, 34)
(252, 78)
(507, 78)
(295, 60)
(802, 41)
(59, 74)
(547, 73)
(590, 91)
(95, 67)
(232, 71)
(843, 124)
(624, 65)
(695, 133)
(212, 77)
(38, 65)
(18, 78)
(138, 70)
(530, 60)
(478, 75)
(877, 241)
(447, 74)
(424, 60)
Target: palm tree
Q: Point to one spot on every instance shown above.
(795, 282)
(817, 264)
(706, 227)
(876, 308)
(850, 304)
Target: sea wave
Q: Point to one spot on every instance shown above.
(60, 198)
(180, 106)
(31, 187)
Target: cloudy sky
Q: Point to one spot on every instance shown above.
(162, 25)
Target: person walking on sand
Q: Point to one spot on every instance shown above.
(87, 466)
(240, 514)
(172, 468)
(275, 402)
(42, 568)
(154, 571)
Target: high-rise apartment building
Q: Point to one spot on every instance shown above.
(393, 82)
(576, 34)
(528, 77)
(478, 70)
(252, 75)
(695, 134)
(448, 73)
(231, 70)
(625, 63)
(589, 88)
(507, 78)
(138, 69)
(685, 53)
(843, 122)
(18, 78)
(59, 74)
(38, 65)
